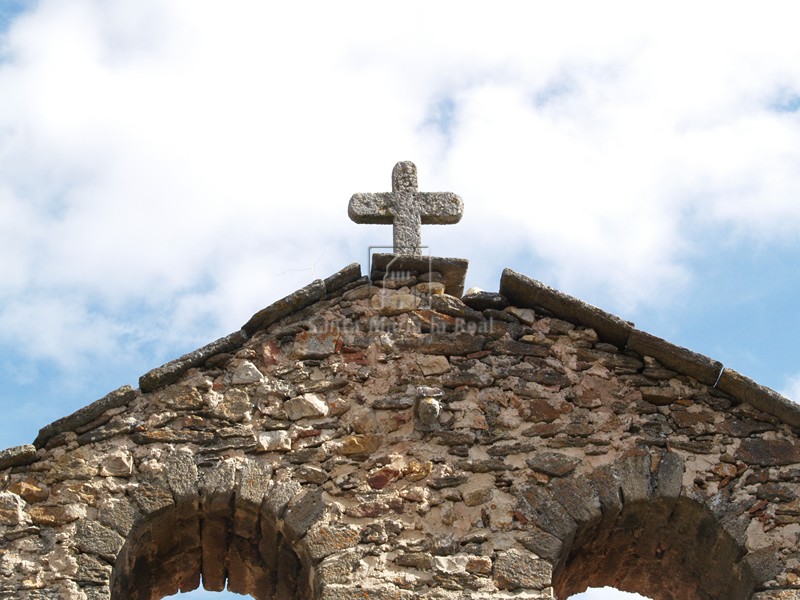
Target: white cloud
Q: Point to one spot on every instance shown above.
(192, 162)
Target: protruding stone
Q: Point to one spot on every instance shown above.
(117, 466)
(87, 414)
(428, 410)
(11, 509)
(172, 371)
(274, 441)
(526, 316)
(515, 569)
(679, 359)
(246, 373)
(432, 364)
(481, 300)
(18, 455)
(306, 406)
(762, 398)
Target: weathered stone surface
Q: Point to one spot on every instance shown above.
(674, 357)
(444, 344)
(660, 396)
(87, 414)
(306, 406)
(432, 365)
(768, 453)
(246, 373)
(280, 492)
(505, 345)
(481, 300)
(395, 304)
(453, 270)
(152, 495)
(117, 466)
(553, 463)
(793, 594)
(365, 462)
(11, 509)
(29, 490)
(428, 410)
(94, 538)
(760, 397)
(172, 371)
(121, 514)
(54, 515)
(527, 316)
(315, 344)
(372, 592)
(323, 539)
(528, 293)
(516, 569)
(350, 274)
(449, 305)
(406, 208)
(355, 445)
(285, 306)
(18, 455)
(274, 441)
(303, 512)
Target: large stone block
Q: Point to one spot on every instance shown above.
(517, 569)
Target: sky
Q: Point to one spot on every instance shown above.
(169, 168)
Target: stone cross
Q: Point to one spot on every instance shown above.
(406, 208)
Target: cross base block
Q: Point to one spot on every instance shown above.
(452, 270)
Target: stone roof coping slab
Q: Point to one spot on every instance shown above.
(759, 396)
(172, 371)
(453, 270)
(340, 279)
(702, 368)
(87, 414)
(525, 292)
(16, 456)
(302, 298)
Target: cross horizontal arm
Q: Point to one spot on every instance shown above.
(439, 208)
(372, 208)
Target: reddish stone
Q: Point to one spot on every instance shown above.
(270, 352)
(382, 477)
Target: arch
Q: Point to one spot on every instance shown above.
(225, 523)
(632, 525)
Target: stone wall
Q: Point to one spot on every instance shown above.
(391, 441)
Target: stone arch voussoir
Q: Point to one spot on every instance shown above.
(235, 523)
(632, 524)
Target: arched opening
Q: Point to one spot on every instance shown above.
(200, 594)
(606, 593)
(220, 541)
(664, 549)
(168, 554)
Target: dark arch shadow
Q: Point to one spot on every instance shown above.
(226, 537)
(632, 525)
(661, 549)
